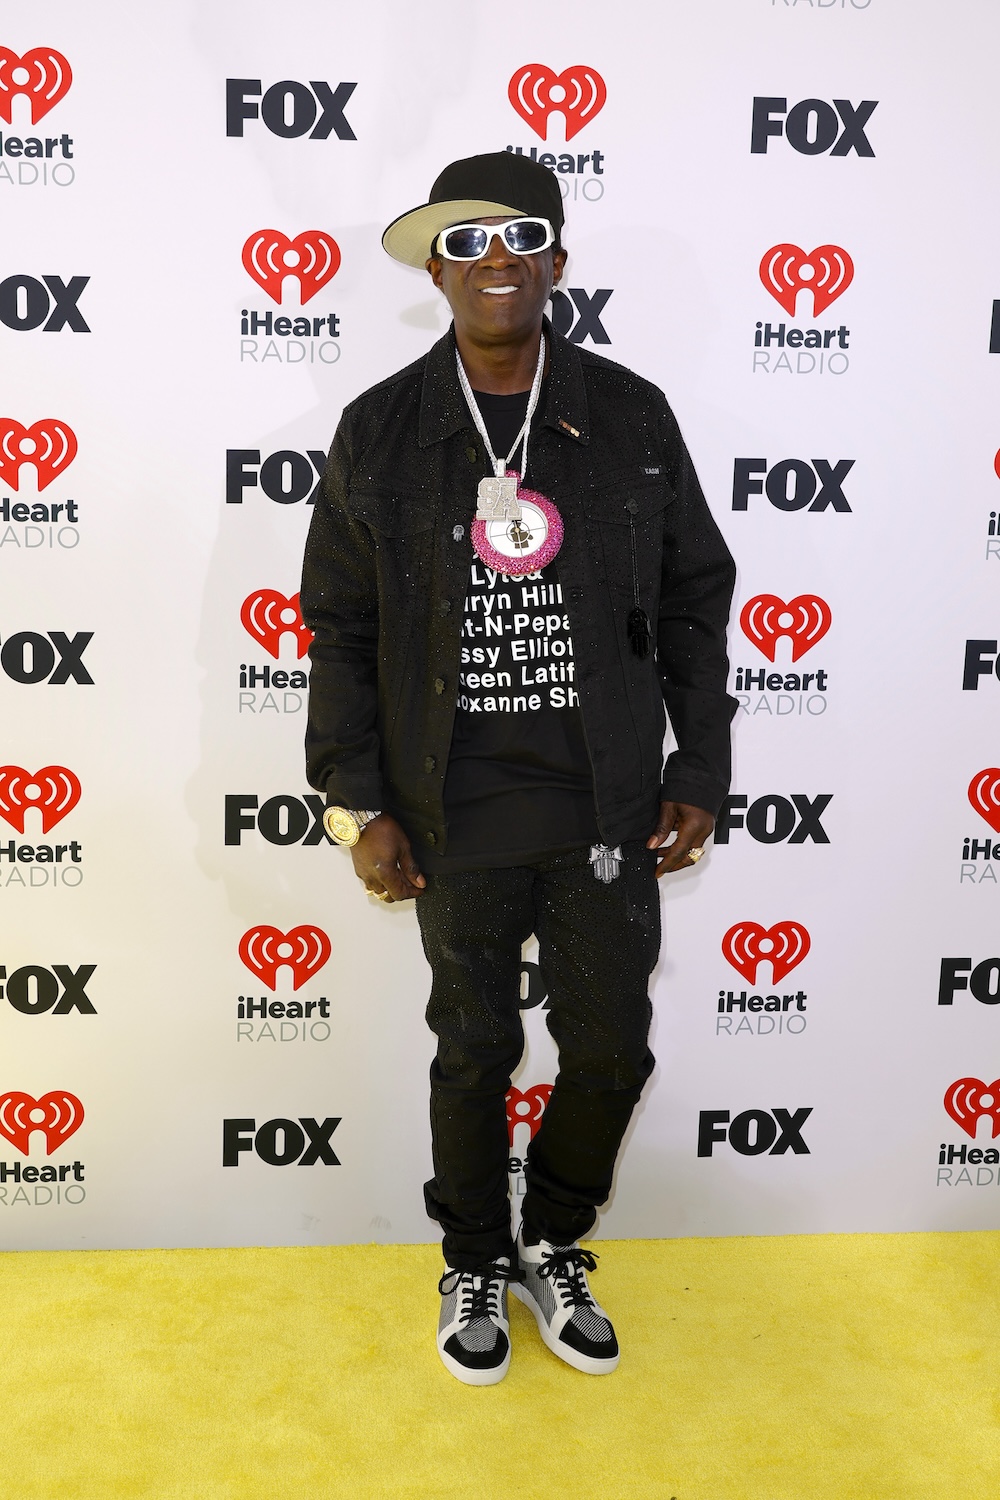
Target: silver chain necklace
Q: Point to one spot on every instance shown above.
(498, 496)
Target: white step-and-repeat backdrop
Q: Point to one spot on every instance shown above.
(782, 211)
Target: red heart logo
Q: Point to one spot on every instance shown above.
(826, 271)
(578, 93)
(526, 1108)
(54, 790)
(313, 256)
(44, 77)
(304, 949)
(804, 620)
(57, 1115)
(48, 444)
(267, 615)
(969, 1099)
(785, 944)
(984, 794)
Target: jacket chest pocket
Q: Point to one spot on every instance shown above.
(401, 526)
(392, 514)
(627, 516)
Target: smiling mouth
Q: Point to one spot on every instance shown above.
(499, 291)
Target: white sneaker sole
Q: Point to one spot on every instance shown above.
(474, 1377)
(584, 1362)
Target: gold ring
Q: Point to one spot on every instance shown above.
(383, 895)
(695, 854)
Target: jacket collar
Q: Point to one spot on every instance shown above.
(443, 411)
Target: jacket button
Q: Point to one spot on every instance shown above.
(631, 506)
(439, 685)
(429, 764)
(430, 836)
(472, 454)
(445, 606)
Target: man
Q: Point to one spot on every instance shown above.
(511, 569)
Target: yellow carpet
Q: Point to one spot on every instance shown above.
(835, 1367)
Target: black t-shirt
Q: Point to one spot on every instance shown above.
(519, 785)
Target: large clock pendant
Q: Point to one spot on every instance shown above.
(515, 531)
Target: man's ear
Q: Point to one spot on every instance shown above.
(558, 266)
(433, 268)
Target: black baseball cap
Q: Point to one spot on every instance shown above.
(478, 187)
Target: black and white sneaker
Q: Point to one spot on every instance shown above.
(473, 1335)
(570, 1321)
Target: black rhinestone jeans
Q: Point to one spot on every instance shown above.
(598, 944)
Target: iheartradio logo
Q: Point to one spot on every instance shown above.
(984, 794)
(54, 790)
(268, 615)
(526, 1108)
(577, 93)
(42, 75)
(804, 620)
(303, 949)
(786, 270)
(48, 444)
(968, 1100)
(747, 944)
(313, 257)
(57, 1115)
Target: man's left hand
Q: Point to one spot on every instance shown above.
(692, 825)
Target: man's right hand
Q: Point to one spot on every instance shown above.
(384, 863)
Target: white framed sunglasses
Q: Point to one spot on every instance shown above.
(471, 241)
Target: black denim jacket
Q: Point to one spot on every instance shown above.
(387, 566)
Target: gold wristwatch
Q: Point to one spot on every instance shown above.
(346, 827)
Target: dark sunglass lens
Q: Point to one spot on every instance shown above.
(466, 243)
(525, 236)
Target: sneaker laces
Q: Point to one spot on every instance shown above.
(566, 1269)
(477, 1288)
